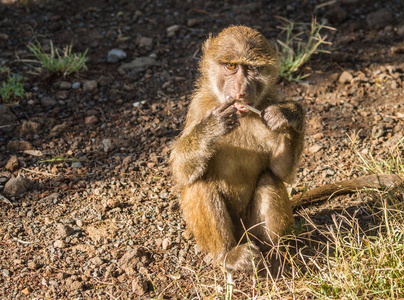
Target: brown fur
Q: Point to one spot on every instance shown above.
(230, 167)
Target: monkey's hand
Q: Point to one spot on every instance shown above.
(221, 119)
(283, 115)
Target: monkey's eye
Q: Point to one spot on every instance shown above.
(231, 66)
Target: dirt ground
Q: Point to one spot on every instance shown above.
(96, 216)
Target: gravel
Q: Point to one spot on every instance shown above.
(90, 211)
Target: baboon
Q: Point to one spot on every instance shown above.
(230, 164)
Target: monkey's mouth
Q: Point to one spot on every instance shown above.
(240, 106)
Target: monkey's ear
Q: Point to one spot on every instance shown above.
(206, 44)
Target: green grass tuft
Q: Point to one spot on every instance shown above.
(12, 89)
(65, 63)
(295, 52)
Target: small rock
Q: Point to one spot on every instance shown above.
(12, 163)
(379, 19)
(91, 120)
(139, 286)
(48, 102)
(315, 148)
(19, 146)
(96, 261)
(26, 291)
(18, 185)
(377, 131)
(166, 244)
(59, 244)
(174, 206)
(105, 80)
(75, 286)
(115, 55)
(8, 120)
(51, 198)
(336, 15)
(76, 85)
(4, 36)
(28, 128)
(345, 77)
(140, 64)
(192, 22)
(77, 165)
(6, 273)
(33, 265)
(58, 129)
(173, 28)
(144, 42)
(64, 230)
(65, 85)
(400, 30)
(127, 160)
(90, 85)
(130, 259)
(107, 145)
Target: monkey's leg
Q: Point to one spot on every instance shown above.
(271, 210)
(206, 215)
(270, 215)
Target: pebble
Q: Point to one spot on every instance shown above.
(108, 146)
(77, 165)
(58, 129)
(91, 120)
(139, 286)
(47, 102)
(12, 163)
(19, 146)
(140, 64)
(166, 244)
(115, 55)
(345, 77)
(380, 18)
(33, 265)
(8, 121)
(59, 244)
(145, 42)
(65, 85)
(28, 128)
(192, 22)
(64, 230)
(76, 85)
(89, 85)
(315, 148)
(18, 185)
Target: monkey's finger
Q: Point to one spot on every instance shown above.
(231, 110)
(226, 104)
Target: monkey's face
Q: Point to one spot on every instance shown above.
(247, 83)
(239, 63)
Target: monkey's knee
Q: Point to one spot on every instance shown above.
(271, 211)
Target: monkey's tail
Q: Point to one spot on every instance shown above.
(377, 181)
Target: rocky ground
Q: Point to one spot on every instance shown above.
(86, 202)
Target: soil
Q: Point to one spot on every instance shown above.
(96, 215)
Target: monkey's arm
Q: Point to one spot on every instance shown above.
(286, 122)
(193, 150)
(378, 181)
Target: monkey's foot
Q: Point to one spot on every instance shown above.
(245, 257)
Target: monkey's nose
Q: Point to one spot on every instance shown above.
(238, 95)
